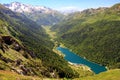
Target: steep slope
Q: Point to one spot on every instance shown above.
(93, 34)
(40, 14)
(24, 47)
(15, 57)
(109, 75)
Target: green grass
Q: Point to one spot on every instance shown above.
(13, 55)
(7, 75)
(82, 70)
(109, 75)
(51, 34)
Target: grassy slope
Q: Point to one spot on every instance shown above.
(7, 75)
(109, 75)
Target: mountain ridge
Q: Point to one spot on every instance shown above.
(40, 14)
(21, 8)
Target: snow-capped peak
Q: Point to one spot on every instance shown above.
(21, 8)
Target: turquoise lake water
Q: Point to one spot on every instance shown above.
(72, 57)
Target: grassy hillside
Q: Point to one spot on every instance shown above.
(7, 75)
(93, 34)
(109, 75)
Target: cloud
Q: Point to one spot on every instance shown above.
(69, 8)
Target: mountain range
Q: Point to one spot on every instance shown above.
(40, 14)
(24, 8)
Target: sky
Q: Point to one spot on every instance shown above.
(67, 4)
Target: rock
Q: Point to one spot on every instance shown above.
(17, 47)
(18, 62)
(19, 71)
(25, 55)
(24, 69)
(8, 40)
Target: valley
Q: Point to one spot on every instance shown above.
(40, 43)
(29, 49)
(84, 70)
(93, 34)
(70, 56)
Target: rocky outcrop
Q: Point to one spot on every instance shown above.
(11, 41)
(3, 46)
(17, 65)
(6, 41)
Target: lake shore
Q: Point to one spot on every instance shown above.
(72, 57)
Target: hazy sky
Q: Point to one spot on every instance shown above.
(67, 4)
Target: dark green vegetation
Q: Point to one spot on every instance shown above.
(26, 49)
(93, 34)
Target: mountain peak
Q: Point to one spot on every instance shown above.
(26, 8)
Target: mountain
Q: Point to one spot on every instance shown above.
(93, 34)
(40, 14)
(22, 8)
(25, 48)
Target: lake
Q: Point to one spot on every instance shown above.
(73, 58)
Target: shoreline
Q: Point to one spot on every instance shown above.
(62, 45)
(85, 67)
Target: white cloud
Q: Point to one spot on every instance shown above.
(69, 8)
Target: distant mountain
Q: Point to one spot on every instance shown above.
(24, 8)
(94, 34)
(40, 14)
